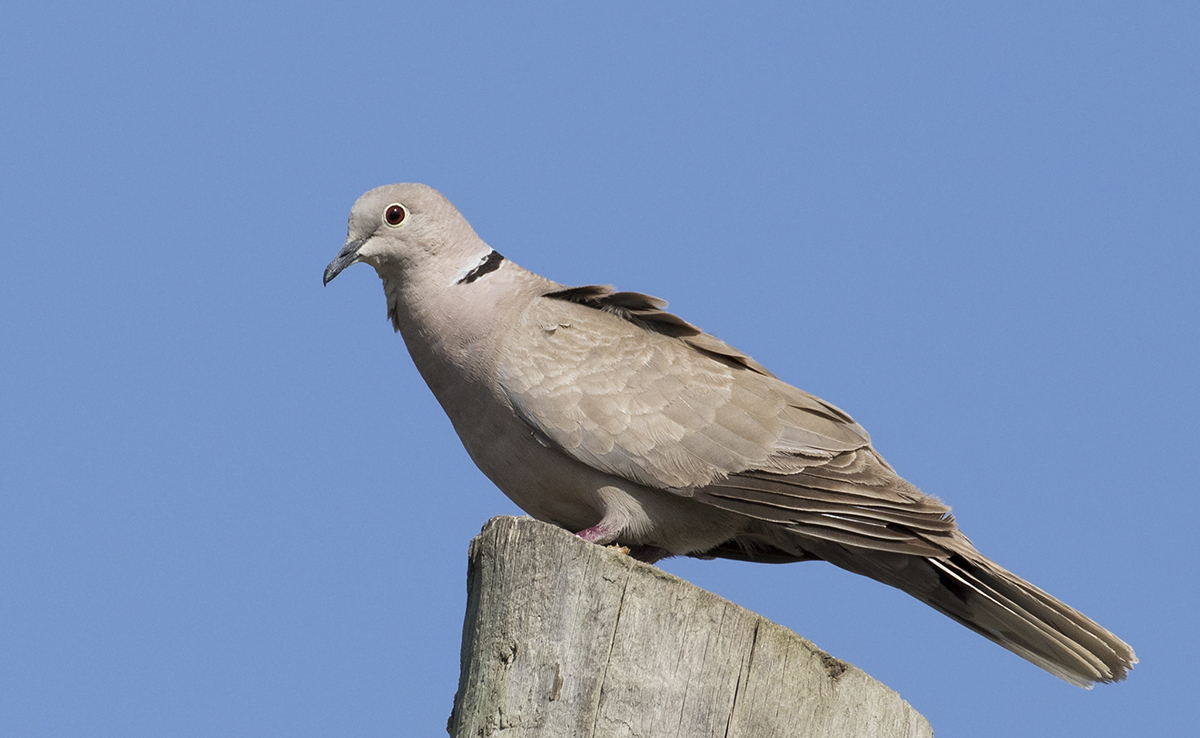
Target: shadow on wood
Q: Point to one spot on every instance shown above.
(564, 638)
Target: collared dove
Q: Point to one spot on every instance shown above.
(600, 412)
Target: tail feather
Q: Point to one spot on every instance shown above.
(1000, 606)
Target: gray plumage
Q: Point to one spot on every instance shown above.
(601, 412)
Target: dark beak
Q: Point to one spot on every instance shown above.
(347, 256)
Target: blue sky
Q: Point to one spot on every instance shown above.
(229, 505)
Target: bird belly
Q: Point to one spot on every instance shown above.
(551, 486)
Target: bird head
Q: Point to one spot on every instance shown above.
(396, 228)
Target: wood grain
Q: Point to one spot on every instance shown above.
(565, 638)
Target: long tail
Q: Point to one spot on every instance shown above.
(998, 605)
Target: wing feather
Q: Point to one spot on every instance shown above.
(622, 385)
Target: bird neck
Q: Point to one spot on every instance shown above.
(451, 323)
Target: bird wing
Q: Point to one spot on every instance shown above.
(616, 382)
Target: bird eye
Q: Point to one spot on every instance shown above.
(395, 214)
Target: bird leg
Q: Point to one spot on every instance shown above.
(596, 534)
(602, 534)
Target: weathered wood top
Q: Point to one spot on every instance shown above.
(565, 638)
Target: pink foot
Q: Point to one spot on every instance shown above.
(595, 534)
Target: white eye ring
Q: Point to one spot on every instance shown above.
(394, 215)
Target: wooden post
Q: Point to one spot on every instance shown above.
(567, 639)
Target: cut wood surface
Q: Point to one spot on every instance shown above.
(565, 638)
